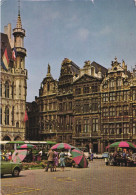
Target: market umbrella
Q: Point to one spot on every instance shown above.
(62, 146)
(26, 146)
(79, 158)
(122, 144)
(19, 155)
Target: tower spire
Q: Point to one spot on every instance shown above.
(18, 7)
(19, 24)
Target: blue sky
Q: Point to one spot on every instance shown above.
(76, 29)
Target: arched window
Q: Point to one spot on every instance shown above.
(7, 89)
(48, 86)
(13, 115)
(13, 90)
(6, 116)
(0, 89)
(0, 116)
(17, 124)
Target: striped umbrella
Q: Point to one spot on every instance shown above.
(26, 146)
(62, 146)
(122, 144)
(79, 158)
(19, 155)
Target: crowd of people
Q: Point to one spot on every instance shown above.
(119, 158)
(53, 160)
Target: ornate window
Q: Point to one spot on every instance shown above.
(7, 89)
(0, 116)
(134, 128)
(0, 89)
(119, 82)
(126, 95)
(94, 105)
(134, 112)
(86, 125)
(134, 95)
(95, 124)
(125, 110)
(13, 115)
(86, 107)
(50, 106)
(111, 84)
(78, 90)
(105, 97)
(112, 111)
(119, 111)
(17, 124)
(78, 107)
(105, 129)
(119, 96)
(105, 112)
(48, 86)
(6, 116)
(94, 88)
(60, 107)
(78, 126)
(13, 90)
(126, 128)
(112, 96)
(112, 128)
(86, 89)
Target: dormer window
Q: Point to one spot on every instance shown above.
(7, 89)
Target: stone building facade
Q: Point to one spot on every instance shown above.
(88, 107)
(13, 85)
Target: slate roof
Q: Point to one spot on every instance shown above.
(99, 67)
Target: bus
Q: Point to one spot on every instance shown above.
(12, 145)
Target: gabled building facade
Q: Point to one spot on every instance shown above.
(88, 107)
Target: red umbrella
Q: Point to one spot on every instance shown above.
(62, 146)
(19, 155)
(79, 158)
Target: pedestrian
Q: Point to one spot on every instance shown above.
(56, 162)
(91, 156)
(50, 160)
(62, 160)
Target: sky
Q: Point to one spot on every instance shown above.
(95, 30)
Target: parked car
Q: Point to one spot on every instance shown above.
(8, 167)
(105, 155)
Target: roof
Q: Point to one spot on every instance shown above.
(99, 67)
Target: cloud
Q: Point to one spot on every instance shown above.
(83, 34)
(102, 32)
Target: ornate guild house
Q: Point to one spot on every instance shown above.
(89, 107)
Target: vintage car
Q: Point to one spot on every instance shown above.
(8, 167)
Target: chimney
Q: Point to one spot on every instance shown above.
(123, 64)
(5, 30)
(9, 31)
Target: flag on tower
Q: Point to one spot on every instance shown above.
(5, 60)
(25, 117)
(14, 54)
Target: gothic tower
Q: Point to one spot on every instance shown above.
(20, 76)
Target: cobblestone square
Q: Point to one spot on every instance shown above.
(98, 179)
